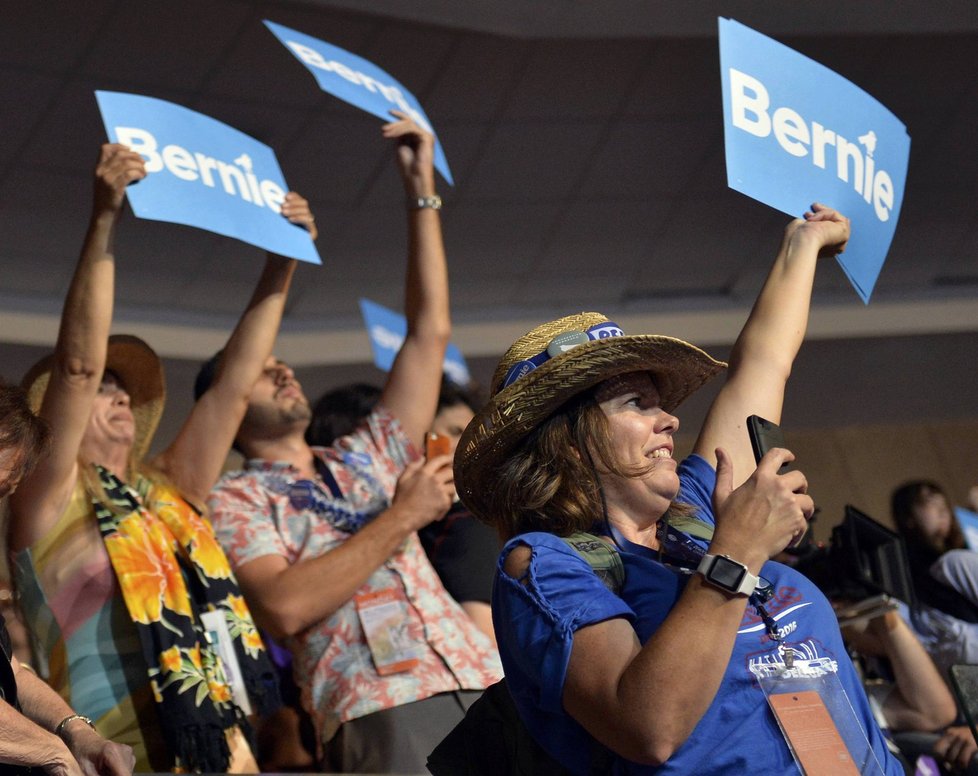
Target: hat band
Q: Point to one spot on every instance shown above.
(568, 340)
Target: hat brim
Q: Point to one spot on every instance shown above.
(678, 368)
(141, 373)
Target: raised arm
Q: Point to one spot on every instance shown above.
(766, 348)
(194, 459)
(411, 391)
(79, 356)
(919, 700)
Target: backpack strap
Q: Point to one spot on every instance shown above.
(601, 556)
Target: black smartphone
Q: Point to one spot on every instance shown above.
(763, 436)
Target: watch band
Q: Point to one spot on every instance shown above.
(420, 203)
(727, 574)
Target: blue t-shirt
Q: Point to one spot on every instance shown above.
(535, 625)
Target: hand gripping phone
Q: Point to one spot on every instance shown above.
(765, 435)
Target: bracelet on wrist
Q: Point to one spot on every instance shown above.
(420, 203)
(60, 729)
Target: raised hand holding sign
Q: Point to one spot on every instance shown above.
(796, 132)
(203, 173)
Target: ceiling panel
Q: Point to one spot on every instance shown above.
(532, 161)
(579, 80)
(51, 37)
(477, 81)
(177, 43)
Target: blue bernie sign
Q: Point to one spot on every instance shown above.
(796, 133)
(203, 173)
(968, 521)
(357, 81)
(387, 330)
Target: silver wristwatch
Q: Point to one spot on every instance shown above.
(727, 574)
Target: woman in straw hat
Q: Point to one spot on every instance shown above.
(659, 668)
(117, 569)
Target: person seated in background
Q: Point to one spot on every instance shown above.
(943, 570)
(115, 564)
(945, 577)
(324, 540)
(37, 728)
(462, 549)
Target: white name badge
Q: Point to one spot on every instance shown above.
(217, 628)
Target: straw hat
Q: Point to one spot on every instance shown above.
(141, 373)
(550, 365)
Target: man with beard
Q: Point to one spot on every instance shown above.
(324, 540)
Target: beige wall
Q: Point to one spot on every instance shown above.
(861, 465)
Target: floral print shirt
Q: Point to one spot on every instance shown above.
(267, 509)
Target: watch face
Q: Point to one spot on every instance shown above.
(727, 573)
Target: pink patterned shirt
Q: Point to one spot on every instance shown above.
(268, 510)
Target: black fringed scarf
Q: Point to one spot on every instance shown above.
(171, 569)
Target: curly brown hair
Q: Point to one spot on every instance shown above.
(21, 432)
(550, 482)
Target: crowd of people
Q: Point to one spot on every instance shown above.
(168, 603)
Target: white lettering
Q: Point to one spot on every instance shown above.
(237, 179)
(882, 195)
(391, 93)
(456, 372)
(846, 151)
(791, 131)
(750, 105)
(206, 164)
(273, 195)
(757, 104)
(309, 56)
(821, 138)
(343, 71)
(180, 162)
(386, 338)
(142, 142)
(232, 177)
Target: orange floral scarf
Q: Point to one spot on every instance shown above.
(171, 569)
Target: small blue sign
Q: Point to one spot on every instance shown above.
(387, 330)
(357, 81)
(797, 133)
(968, 521)
(203, 173)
